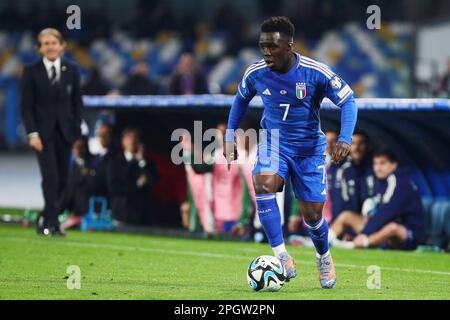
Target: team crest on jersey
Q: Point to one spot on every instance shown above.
(300, 90)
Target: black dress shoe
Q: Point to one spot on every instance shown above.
(41, 226)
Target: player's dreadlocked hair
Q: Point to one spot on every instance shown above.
(280, 24)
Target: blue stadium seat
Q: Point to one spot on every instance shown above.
(354, 63)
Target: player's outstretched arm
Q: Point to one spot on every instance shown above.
(237, 113)
(349, 113)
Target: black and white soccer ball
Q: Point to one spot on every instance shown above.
(266, 273)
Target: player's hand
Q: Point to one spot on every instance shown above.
(340, 151)
(141, 181)
(140, 153)
(230, 152)
(36, 143)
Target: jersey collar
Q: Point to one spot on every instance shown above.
(299, 59)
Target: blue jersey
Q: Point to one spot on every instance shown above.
(292, 102)
(350, 185)
(342, 194)
(398, 200)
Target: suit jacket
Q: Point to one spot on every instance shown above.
(129, 203)
(46, 107)
(98, 183)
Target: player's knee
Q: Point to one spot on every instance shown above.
(344, 216)
(312, 217)
(312, 212)
(262, 188)
(265, 184)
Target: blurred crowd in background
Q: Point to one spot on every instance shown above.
(186, 47)
(176, 47)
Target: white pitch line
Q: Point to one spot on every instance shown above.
(205, 254)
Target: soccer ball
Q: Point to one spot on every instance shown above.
(266, 273)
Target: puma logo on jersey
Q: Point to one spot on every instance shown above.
(267, 92)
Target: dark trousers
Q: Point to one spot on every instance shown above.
(54, 167)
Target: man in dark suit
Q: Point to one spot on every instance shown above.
(130, 178)
(98, 184)
(76, 193)
(51, 111)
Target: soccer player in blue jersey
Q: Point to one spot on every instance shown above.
(292, 87)
(396, 219)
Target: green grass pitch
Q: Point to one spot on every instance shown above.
(124, 266)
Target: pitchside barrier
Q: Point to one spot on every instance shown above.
(417, 130)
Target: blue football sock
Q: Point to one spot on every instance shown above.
(269, 215)
(318, 231)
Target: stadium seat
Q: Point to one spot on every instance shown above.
(438, 222)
